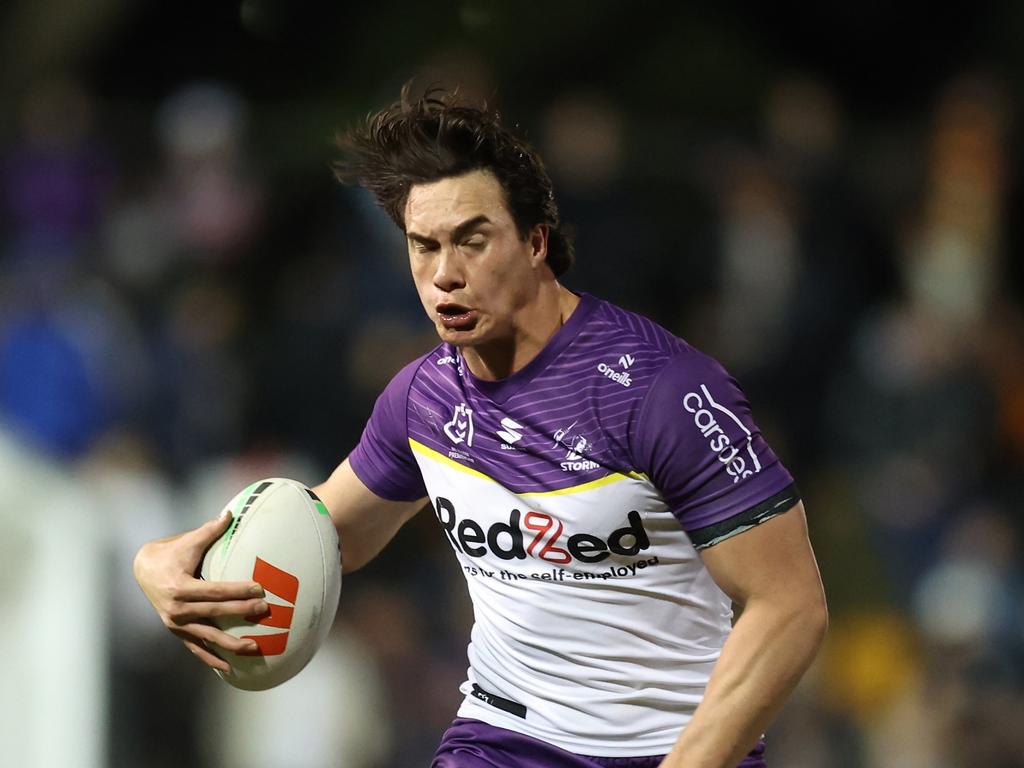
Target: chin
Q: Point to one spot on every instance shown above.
(458, 338)
(471, 337)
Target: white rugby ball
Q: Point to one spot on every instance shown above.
(282, 537)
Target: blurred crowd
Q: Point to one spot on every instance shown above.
(179, 318)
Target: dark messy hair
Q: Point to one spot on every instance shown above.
(432, 138)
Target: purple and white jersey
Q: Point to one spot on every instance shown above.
(575, 494)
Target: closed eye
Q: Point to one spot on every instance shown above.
(421, 246)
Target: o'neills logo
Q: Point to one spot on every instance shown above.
(538, 535)
(619, 377)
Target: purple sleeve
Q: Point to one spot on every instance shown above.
(383, 459)
(697, 441)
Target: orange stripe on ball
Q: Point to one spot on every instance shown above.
(273, 579)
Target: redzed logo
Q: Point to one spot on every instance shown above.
(543, 524)
(507, 541)
(285, 586)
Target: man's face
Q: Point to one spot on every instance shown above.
(472, 271)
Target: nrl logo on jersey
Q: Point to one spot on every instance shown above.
(459, 430)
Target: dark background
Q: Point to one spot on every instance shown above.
(826, 198)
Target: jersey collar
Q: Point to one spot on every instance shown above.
(502, 389)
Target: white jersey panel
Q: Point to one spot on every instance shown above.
(593, 611)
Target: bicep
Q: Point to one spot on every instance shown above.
(772, 561)
(365, 521)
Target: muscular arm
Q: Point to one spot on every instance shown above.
(771, 572)
(365, 521)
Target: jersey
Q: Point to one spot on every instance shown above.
(575, 495)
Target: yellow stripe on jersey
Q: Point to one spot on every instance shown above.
(614, 477)
(430, 453)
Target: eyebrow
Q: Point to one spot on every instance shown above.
(460, 230)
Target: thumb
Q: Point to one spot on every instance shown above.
(211, 530)
(200, 539)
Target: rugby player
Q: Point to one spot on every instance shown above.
(601, 483)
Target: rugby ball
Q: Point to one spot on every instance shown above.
(282, 537)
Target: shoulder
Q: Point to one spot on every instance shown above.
(416, 370)
(625, 326)
(626, 367)
(640, 354)
(390, 413)
(382, 459)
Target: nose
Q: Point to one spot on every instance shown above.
(448, 272)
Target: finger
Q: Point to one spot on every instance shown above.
(213, 636)
(190, 611)
(200, 590)
(209, 659)
(210, 531)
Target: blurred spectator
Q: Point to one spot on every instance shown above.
(185, 306)
(585, 142)
(214, 198)
(71, 367)
(332, 714)
(200, 209)
(55, 180)
(53, 703)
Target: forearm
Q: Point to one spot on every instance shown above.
(365, 522)
(767, 652)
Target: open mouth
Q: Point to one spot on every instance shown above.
(456, 317)
(451, 310)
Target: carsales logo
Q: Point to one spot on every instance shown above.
(718, 441)
(539, 535)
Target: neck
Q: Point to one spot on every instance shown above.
(535, 324)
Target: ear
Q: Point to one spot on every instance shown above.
(538, 240)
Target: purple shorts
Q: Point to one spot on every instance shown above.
(473, 744)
